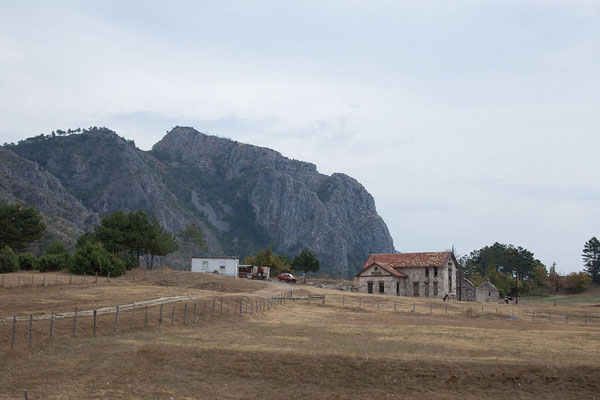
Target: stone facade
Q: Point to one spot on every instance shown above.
(430, 275)
(487, 292)
(483, 293)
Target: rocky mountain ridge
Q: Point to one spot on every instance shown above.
(244, 197)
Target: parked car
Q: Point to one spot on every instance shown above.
(284, 276)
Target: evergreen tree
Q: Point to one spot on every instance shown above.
(306, 262)
(19, 226)
(160, 242)
(266, 258)
(193, 238)
(591, 258)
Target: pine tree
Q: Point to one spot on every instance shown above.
(591, 258)
(306, 262)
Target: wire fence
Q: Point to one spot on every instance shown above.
(470, 309)
(26, 331)
(32, 280)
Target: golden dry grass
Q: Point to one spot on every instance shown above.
(308, 351)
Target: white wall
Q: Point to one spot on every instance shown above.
(225, 266)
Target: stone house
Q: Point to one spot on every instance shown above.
(409, 274)
(482, 293)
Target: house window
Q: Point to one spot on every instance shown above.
(205, 265)
(416, 289)
(427, 272)
(381, 287)
(450, 287)
(222, 267)
(369, 287)
(435, 271)
(435, 288)
(426, 289)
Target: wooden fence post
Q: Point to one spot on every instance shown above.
(395, 306)
(75, 322)
(446, 309)
(195, 312)
(51, 323)
(31, 280)
(185, 314)
(378, 305)
(12, 345)
(108, 277)
(221, 309)
(160, 319)
(96, 278)
(414, 306)
(173, 316)
(251, 307)
(203, 310)
(84, 276)
(146, 318)
(26, 395)
(117, 320)
(567, 318)
(360, 302)
(212, 311)
(3, 281)
(533, 315)
(19, 281)
(482, 309)
(44, 282)
(131, 319)
(30, 329)
(323, 299)
(431, 309)
(95, 317)
(241, 304)
(55, 280)
(343, 300)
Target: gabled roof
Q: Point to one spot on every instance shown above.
(385, 267)
(408, 260)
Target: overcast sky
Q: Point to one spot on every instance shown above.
(470, 122)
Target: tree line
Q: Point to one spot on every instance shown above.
(515, 270)
(117, 244)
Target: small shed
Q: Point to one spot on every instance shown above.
(227, 266)
(487, 292)
(468, 291)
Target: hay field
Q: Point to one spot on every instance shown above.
(303, 350)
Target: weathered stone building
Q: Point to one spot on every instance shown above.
(482, 293)
(409, 274)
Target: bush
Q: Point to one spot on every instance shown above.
(53, 262)
(92, 258)
(8, 260)
(577, 282)
(129, 261)
(56, 248)
(28, 261)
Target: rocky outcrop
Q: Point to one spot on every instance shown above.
(245, 197)
(23, 181)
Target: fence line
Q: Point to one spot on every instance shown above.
(36, 329)
(407, 304)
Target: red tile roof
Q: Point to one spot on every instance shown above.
(408, 260)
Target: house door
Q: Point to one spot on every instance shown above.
(416, 289)
(369, 287)
(381, 287)
(397, 288)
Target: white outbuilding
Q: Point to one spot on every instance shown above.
(226, 266)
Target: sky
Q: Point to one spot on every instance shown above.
(470, 122)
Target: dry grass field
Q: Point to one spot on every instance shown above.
(349, 347)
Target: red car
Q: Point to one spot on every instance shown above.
(284, 276)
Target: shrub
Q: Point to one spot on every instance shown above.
(129, 261)
(576, 282)
(53, 262)
(92, 258)
(56, 247)
(8, 260)
(28, 261)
